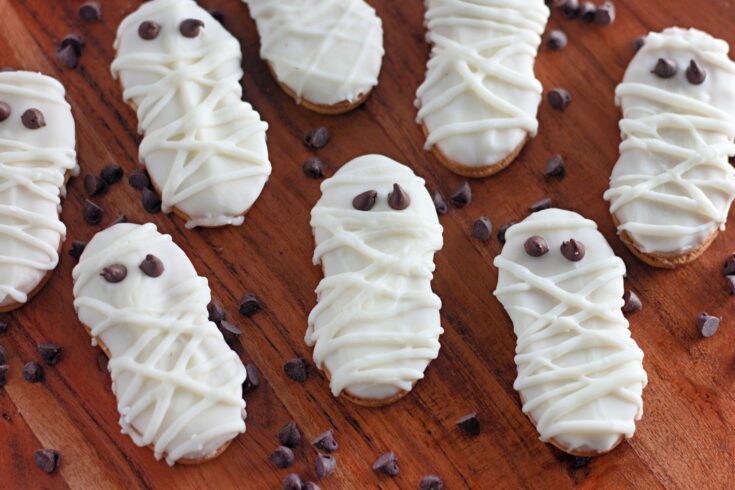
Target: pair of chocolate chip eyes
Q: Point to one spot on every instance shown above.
(31, 118)
(149, 30)
(151, 266)
(667, 68)
(398, 199)
(572, 250)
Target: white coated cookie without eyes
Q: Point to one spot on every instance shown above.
(178, 384)
(204, 148)
(37, 155)
(376, 325)
(580, 374)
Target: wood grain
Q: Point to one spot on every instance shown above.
(685, 439)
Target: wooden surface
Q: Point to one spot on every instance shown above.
(685, 439)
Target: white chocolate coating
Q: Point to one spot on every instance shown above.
(480, 96)
(580, 374)
(204, 148)
(673, 186)
(33, 166)
(376, 326)
(325, 51)
(178, 385)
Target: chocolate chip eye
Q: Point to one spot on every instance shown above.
(696, 73)
(33, 119)
(5, 111)
(191, 27)
(149, 30)
(114, 273)
(665, 68)
(536, 246)
(365, 201)
(573, 250)
(151, 266)
(398, 199)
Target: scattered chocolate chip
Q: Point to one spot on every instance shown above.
(50, 353)
(462, 195)
(6, 416)
(387, 464)
(695, 73)
(587, 12)
(68, 56)
(296, 369)
(112, 173)
(431, 482)
(90, 11)
(317, 138)
(252, 380)
(313, 168)
(47, 459)
(292, 482)
(249, 305)
(638, 43)
(365, 200)
(282, 457)
(5, 111)
(570, 8)
(33, 372)
(92, 213)
(218, 16)
(289, 435)
(230, 332)
(149, 30)
(310, 485)
(3, 374)
(33, 119)
(439, 204)
(324, 465)
(151, 201)
(556, 40)
(536, 246)
(730, 280)
(3, 355)
(77, 247)
(577, 462)
(729, 268)
(138, 179)
(559, 98)
(605, 14)
(120, 219)
(544, 203)
(470, 424)
(555, 167)
(398, 199)
(665, 68)
(151, 266)
(94, 185)
(325, 442)
(73, 40)
(502, 230)
(216, 312)
(114, 273)
(191, 27)
(482, 228)
(572, 250)
(102, 362)
(707, 324)
(631, 302)
(4, 322)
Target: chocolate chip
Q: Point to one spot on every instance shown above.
(482, 228)
(296, 369)
(431, 482)
(4, 322)
(289, 435)
(151, 266)
(112, 173)
(68, 56)
(570, 8)
(50, 353)
(365, 200)
(572, 250)
(638, 43)
(707, 324)
(695, 73)
(77, 247)
(90, 11)
(313, 168)
(631, 302)
(94, 184)
(138, 179)
(292, 482)
(462, 195)
(665, 68)
(555, 167)
(439, 204)
(72, 40)
(114, 273)
(387, 464)
(324, 465)
(587, 12)
(398, 199)
(729, 268)
(559, 98)
(502, 230)
(325, 442)
(605, 14)
(151, 201)
(249, 305)
(577, 462)
(536, 246)
(317, 138)
(6, 416)
(557, 40)
(191, 27)
(730, 280)
(3, 374)
(216, 312)
(5, 111)
(3, 355)
(230, 332)
(470, 424)
(92, 213)
(544, 203)
(33, 372)
(252, 380)
(47, 459)
(218, 16)
(149, 30)
(33, 119)
(282, 457)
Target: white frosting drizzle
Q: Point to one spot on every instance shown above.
(33, 167)
(376, 326)
(178, 385)
(580, 374)
(203, 146)
(480, 96)
(325, 51)
(673, 186)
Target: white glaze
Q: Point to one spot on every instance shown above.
(178, 385)
(480, 95)
(33, 167)
(673, 186)
(580, 373)
(324, 51)
(204, 147)
(376, 326)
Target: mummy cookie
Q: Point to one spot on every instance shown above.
(177, 383)
(326, 54)
(478, 103)
(580, 374)
(672, 186)
(37, 155)
(376, 325)
(204, 147)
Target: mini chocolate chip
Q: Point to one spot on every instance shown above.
(310, 485)
(695, 73)
(665, 68)
(68, 56)
(324, 465)
(90, 11)
(230, 332)
(138, 179)
(252, 380)
(151, 266)
(325, 442)
(33, 119)
(587, 12)
(544, 203)
(502, 230)
(398, 199)
(50, 353)
(3, 355)
(555, 167)
(317, 138)
(313, 168)
(728, 269)
(462, 195)
(92, 213)
(470, 424)
(605, 14)
(3, 374)
(249, 305)
(296, 369)
(292, 482)
(631, 302)
(439, 204)
(577, 462)
(289, 435)
(638, 43)
(216, 312)
(482, 228)
(707, 324)
(572, 250)
(114, 273)
(33, 372)
(120, 219)
(149, 30)
(556, 40)
(94, 184)
(282, 457)
(365, 200)
(112, 173)
(387, 464)
(5, 111)
(47, 459)
(77, 247)
(191, 27)
(570, 8)
(559, 98)
(72, 40)
(730, 280)
(218, 16)
(536, 246)
(431, 482)
(151, 201)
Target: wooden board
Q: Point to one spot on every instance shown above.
(686, 436)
